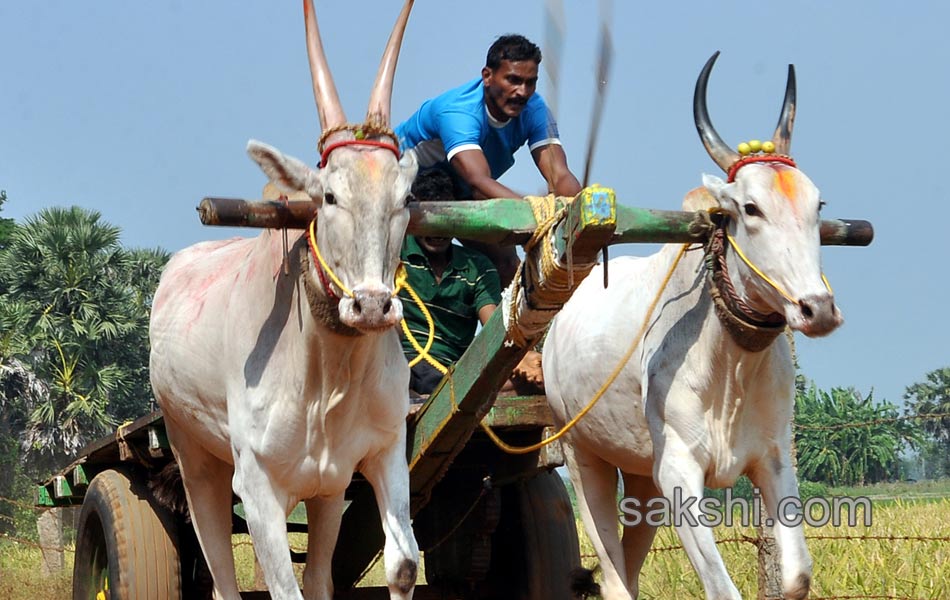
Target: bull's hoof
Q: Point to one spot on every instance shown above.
(406, 576)
(799, 588)
(583, 584)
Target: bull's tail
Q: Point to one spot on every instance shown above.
(167, 489)
(583, 584)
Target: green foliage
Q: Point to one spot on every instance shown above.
(74, 309)
(928, 398)
(812, 489)
(843, 438)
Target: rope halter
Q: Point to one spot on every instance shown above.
(752, 266)
(360, 133)
(324, 272)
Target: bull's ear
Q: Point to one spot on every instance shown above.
(409, 159)
(721, 191)
(409, 165)
(286, 171)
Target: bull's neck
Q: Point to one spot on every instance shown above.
(735, 368)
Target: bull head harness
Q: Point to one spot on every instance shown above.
(749, 328)
(360, 133)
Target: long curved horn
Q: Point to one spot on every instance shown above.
(380, 100)
(324, 90)
(786, 121)
(717, 149)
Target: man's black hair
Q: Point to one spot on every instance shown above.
(434, 185)
(512, 47)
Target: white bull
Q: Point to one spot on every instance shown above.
(708, 393)
(272, 385)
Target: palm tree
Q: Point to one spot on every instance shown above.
(83, 320)
(927, 400)
(843, 438)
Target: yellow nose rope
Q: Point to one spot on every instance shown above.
(399, 278)
(766, 278)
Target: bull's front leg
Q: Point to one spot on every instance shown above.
(389, 476)
(680, 478)
(323, 528)
(775, 478)
(266, 510)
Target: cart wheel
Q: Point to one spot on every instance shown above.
(126, 547)
(535, 547)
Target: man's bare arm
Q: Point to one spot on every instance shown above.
(552, 162)
(472, 166)
(485, 312)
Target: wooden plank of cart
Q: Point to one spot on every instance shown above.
(490, 524)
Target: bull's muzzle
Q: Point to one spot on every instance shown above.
(816, 315)
(371, 308)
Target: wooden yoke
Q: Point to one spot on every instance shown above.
(505, 221)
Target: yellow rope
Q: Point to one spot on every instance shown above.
(423, 353)
(559, 282)
(603, 388)
(399, 279)
(326, 268)
(766, 278)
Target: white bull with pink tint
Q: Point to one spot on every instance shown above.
(279, 386)
(709, 392)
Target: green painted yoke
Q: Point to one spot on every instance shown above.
(470, 281)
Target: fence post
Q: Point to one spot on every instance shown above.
(49, 525)
(770, 572)
(770, 568)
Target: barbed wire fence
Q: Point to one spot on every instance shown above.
(53, 549)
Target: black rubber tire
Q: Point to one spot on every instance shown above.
(535, 548)
(126, 545)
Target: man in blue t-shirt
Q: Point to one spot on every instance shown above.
(473, 131)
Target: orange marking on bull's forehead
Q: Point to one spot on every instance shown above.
(371, 166)
(786, 183)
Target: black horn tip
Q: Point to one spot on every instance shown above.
(718, 150)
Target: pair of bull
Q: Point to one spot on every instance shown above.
(281, 387)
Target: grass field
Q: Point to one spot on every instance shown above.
(844, 564)
(890, 562)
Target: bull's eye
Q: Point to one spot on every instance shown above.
(409, 198)
(329, 199)
(821, 205)
(752, 210)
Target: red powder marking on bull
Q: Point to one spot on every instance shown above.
(785, 182)
(372, 166)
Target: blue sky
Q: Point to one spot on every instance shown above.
(138, 110)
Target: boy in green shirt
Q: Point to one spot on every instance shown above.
(460, 288)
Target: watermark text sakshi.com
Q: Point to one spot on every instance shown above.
(681, 510)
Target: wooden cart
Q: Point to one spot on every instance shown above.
(490, 524)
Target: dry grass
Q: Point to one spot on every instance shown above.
(897, 568)
(20, 574)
